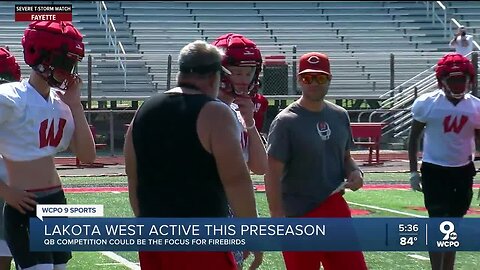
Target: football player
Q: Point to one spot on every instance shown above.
(36, 122)
(9, 72)
(244, 61)
(450, 119)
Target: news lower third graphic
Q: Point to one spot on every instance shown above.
(25, 13)
(86, 229)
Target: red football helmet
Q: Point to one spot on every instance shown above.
(239, 51)
(455, 74)
(9, 68)
(53, 49)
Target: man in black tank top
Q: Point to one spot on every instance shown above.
(183, 158)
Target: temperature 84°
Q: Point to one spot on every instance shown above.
(408, 240)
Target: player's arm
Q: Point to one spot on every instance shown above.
(278, 148)
(131, 170)
(273, 186)
(415, 133)
(257, 160)
(453, 42)
(477, 139)
(218, 132)
(353, 173)
(82, 143)
(257, 156)
(19, 199)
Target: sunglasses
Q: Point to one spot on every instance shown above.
(319, 78)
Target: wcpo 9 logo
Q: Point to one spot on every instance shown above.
(450, 236)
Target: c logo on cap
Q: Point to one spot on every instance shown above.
(313, 60)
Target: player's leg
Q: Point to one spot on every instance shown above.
(60, 259)
(460, 200)
(436, 188)
(16, 229)
(5, 254)
(17, 235)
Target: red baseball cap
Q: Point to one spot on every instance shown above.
(314, 62)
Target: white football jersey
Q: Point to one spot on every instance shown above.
(243, 131)
(31, 126)
(449, 138)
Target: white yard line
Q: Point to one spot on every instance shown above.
(418, 257)
(387, 210)
(121, 260)
(415, 256)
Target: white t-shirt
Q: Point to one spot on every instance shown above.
(32, 127)
(463, 47)
(449, 138)
(243, 131)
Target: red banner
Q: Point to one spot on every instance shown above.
(58, 16)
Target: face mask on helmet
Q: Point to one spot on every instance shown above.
(60, 69)
(53, 49)
(454, 74)
(242, 52)
(457, 85)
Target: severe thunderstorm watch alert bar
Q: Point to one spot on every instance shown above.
(24, 13)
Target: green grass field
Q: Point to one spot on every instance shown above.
(117, 205)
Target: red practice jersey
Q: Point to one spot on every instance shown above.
(261, 105)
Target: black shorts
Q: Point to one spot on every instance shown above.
(17, 235)
(447, 190)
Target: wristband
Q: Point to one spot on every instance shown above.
(252, 126)
(358, 169)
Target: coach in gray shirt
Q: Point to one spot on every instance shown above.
(309, 159)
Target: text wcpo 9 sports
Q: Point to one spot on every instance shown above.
(268, 234)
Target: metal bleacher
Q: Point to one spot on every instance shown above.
(467, 12)
(358, 43)
(358, 36)
(106, 76)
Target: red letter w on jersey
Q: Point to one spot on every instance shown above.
(51, 139)
(449, 126)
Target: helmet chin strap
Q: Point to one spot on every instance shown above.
(47, 75)
(234, 93)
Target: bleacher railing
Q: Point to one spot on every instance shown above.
(398, 124)
(161, 72)
(111, 36)
(432, 12)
